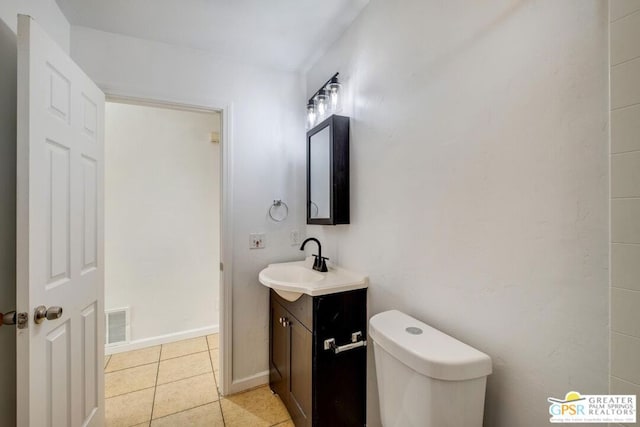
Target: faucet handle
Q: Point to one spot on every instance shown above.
(319, 263)
(322, 264)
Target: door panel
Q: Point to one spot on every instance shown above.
(90, 214)
(57, 196)
(58, 412)
(60, 233)
(90, 362)
(279, 352)
(300, 374)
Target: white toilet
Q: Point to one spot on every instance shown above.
(425, 377)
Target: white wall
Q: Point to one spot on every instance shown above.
(45, 12)
(162, 219)
(479, 189)
(48, 15)
(625, 197)
(268, 154)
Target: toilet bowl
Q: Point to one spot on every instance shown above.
(425, 377)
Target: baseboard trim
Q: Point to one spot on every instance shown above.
(247, 383)
(161, 339)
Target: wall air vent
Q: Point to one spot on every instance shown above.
(117, 326)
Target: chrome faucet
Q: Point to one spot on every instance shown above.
(320, 263)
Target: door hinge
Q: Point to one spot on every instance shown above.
(221, 267)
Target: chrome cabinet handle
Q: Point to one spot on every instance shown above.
(330, 343)
(41, 313)
(284, 322)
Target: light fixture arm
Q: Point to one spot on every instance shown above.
(322, 87)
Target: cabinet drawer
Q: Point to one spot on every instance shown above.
(301, 309)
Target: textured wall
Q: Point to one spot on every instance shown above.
(479, 185)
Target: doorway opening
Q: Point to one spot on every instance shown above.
(163, 238)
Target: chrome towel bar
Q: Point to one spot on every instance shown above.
(356, 342)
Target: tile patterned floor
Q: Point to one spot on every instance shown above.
(176, 385)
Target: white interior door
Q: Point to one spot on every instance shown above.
(60, 233)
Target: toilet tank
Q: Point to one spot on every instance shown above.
(425, 377)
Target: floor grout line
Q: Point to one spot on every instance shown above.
(184, 355)
(282, 421)
(167, 383)
(124, 369)
(129, 392)
(155, 388)
(187, 378)
(184, 410)
(157, 384)
(215, 380)
(158, 361)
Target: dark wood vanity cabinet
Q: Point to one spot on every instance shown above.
(318, 386)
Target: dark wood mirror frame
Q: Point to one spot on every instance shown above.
(339, 170)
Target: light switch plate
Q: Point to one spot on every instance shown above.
(257, 241)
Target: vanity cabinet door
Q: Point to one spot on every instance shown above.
(318, 387)
(300, 373)
(279, 354)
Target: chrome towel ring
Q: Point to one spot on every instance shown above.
(275, 207)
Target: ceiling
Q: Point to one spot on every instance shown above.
(283, 34)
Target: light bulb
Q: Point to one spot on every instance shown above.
(322, 102)
(311, 114)
(334, 87)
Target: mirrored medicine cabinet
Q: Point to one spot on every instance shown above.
(328, 172)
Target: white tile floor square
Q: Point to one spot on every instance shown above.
(176, 385)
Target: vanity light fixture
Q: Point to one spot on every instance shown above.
(311, 114)
(324, 102)
(334, 87)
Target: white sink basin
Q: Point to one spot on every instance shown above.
(288, 274)
(292, 279)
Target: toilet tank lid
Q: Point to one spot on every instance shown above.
(426, 349)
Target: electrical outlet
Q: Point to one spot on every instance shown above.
(294, 237)
(257, 241)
